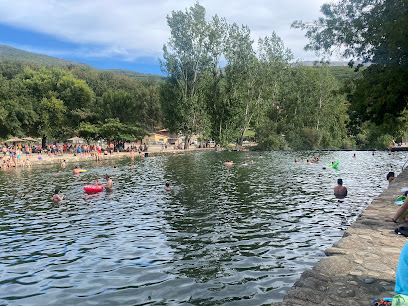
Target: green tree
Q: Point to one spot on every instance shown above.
(17, 116)
(88, 130)
(119, 104)
(113, 129)
(51, 117)
(311, 112)
(375, 32)
(56, 88)
(185, 58)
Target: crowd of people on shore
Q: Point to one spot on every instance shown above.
(14, 156)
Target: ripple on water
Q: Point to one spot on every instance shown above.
(223, 235)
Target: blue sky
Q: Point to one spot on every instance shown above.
(129, 34)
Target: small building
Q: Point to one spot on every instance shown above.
(164, 132)
(155, 139)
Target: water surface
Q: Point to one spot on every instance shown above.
(238, 235)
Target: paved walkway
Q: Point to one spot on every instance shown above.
(361, 266)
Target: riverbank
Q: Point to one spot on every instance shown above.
(361, 266)
(70, 158)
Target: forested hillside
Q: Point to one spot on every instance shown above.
(60, 102)
(257, 87)
(8, 53)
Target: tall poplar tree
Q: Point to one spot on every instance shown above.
(185, 58)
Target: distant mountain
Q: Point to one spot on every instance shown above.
(134, 74)
(332, 64)
(339, 69)
(8, 53)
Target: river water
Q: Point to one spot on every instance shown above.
(238, 235)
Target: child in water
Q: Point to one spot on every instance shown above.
(168, 187)
(57, 198)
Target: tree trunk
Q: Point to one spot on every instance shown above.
(187, 141)
(44, 142)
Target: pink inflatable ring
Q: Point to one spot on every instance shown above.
(93, 188)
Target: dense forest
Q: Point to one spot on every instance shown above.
(219, 84)
(60, 102)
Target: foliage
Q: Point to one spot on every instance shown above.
(311, 112)
(375, 32)
(59, 103)
(113, 129)
(185, 59)
(269, 139)
(88, 131)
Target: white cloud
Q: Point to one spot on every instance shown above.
(138, 28)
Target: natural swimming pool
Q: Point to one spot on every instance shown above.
(224, 235)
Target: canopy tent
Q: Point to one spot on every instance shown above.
(15, 139)
(76, 139)
(30, 139)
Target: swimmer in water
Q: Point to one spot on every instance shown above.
(390, 177)
(340, 192)
(244, 163)
(167, 187)
(109, 184)
(76, 170)
(57, 198)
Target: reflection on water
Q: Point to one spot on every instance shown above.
(222, 235)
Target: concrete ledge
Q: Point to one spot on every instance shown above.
(361, 266)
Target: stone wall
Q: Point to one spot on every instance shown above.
(361, 266)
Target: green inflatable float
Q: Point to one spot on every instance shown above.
(333, 166)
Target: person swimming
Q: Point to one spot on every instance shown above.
(77, 170)
(340, 192)
(109, 183)
(390, 176)
(168, 187)
(57, 198)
